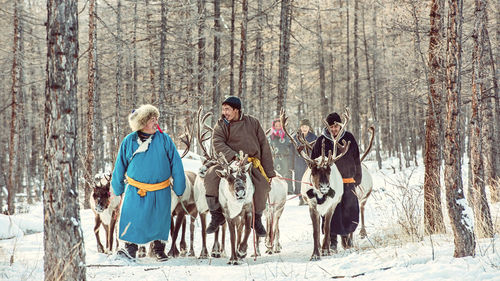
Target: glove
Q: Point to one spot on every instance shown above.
(331, 193)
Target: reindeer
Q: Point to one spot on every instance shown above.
(235, 196)
(364, 189)
(275, 206)
(208, 159)
(322, 186)
(105, 213)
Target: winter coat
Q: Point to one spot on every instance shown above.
(300, 165)
(246, 135)
(144, 219)
(282, 150)
(346, 215)
(349, 165)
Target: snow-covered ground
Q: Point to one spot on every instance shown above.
(389, 253)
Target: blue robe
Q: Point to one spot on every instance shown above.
(144, 219)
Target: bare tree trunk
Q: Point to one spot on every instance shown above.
(97, 132)
(433, 215)
(152, 58)
(284, 53)
(163, 44)
(11, 184)
(242, 85)
(348, 57)
(321, 65)
(22, 141)
(134, 59)
(118, 74)
(457, 207)
(374, 98)
(201, 51)
(231, 43)
(478, 199)
(89, 152)
(216, 67)
(259, 58)
(355, 111)
(64, 257)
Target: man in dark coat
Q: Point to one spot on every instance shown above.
(346, 216)
(233, 132)
(299, 163)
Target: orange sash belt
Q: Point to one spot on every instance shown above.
(145, 187)
(348, 180)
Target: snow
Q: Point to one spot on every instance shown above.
(389, 253)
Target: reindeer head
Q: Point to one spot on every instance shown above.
(236, 174)
(101, 191)
(321, 167)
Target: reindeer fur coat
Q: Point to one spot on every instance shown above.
(144, 219)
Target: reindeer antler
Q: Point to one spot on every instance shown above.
(283, 120)
(186, 138)
(205, 135)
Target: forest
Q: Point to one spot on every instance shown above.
(424, 74)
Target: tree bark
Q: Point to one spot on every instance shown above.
(433, 215)
(321, 67)
(478, 198)
(355, 110)
(458, 209)
(216, 67)
(284, 53)
(64, 257)
(89, 152)
(242, 84)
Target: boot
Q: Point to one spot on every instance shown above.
(259, 228)
(159, 251)
(129, 252)
(333, 242)
(216, 213)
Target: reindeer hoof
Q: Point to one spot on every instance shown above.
(100, 249)
(216, 254)
(173, 253)
(203, 254)
(241, 255)
(326, 252)
(141, 253)
(233, 262)
(269, 251)
(315, 258)
(362, 233)
(191, 253)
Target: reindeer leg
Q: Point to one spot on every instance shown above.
(316, 232)
(100, 248)
(216, 248)
(182, 243)
(223, 239)
(191, 237)
(243, 248)
(325, 250)
(112, 226)
(174, 252)
(277, 245)
(204, 251)
(269, 233)
(106, 231)
(232, 235)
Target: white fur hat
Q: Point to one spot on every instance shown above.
(140, 116)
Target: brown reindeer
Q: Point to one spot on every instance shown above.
(322, 186)
(105, 213)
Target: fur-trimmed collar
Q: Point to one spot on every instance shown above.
(328, 135)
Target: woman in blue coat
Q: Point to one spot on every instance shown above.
(299, 163)
(149, 161)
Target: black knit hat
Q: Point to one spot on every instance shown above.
(305, 122)
(233, 101)
(332, 118)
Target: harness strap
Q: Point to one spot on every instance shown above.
(348, 180)
(145, 187)
(256, 164)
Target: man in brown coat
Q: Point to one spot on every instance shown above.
(233, 132)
